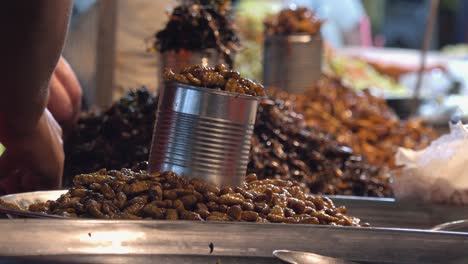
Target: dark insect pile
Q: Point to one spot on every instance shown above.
(117, 138)
(128, 194)
(199, 25)
(284, 147)
(219, 77)
(292, 21)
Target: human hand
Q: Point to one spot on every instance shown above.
(34, 161)
(64, 95)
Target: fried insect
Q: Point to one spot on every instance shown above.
(285, 147)
(219, 77)
(290, 21)
(361, 121)
(282, 146)
(198, 25)
(117, 138)
(274, 200)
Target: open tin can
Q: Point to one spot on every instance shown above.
(293, 62)
(203, 133)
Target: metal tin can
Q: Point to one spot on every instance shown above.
(292, 63)
(203, 133)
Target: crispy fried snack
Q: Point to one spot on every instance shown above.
(361, 121)
(220, 77)
(198, 25)
(285, 147)
(282, 146)
(291, 21)
(128, 194)
(117, 138)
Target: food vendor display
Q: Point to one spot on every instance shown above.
(214, 150)
(330, 140)
(164, 195)
(333, 139)
(283, 146)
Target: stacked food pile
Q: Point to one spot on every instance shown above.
(291, 21)
(220, 77)
(116, 138)
(285, 147)
(199, 25)
(361, 121)
(128, 194)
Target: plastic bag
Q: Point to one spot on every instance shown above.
(438, 173)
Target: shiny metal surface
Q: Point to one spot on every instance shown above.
(380, 212)
(246, 242)
(299, 257)
(23, 200)
(459, 226)
(136, 259)
(390, 213)
(292, 63)
(203, 133)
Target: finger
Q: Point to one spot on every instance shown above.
(70, 82)
(59, 102)
(53, 124)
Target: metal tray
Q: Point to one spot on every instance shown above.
(100, 241)
(110, 241)
(23, 200)
(380, 212)
(386, 212)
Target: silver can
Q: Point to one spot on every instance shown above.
(203, 133)
(292, 63)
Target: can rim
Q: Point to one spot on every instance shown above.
(213, 91)
(296, 37)
(202, 51)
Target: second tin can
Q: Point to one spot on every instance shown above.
(293, 62)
